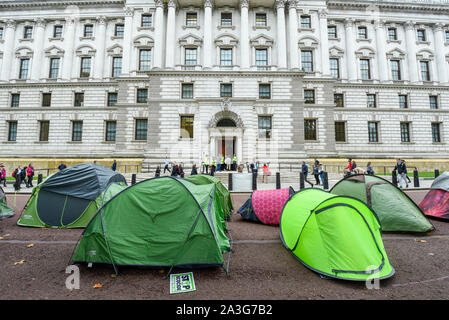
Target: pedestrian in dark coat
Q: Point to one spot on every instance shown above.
(194, 170)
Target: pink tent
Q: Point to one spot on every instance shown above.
(265, 205)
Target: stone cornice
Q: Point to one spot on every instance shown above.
(55, 3)
(27, 85)
(391, 5)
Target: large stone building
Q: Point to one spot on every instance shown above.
(273, 80)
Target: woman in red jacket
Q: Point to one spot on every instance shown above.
(30, 175)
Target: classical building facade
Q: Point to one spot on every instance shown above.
(272, 80)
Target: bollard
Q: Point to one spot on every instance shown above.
(416, 178)
(254, 180)
(133, 179)
(325, 181)
(230, 181)
(437, 173)
(301, 181)
(394, 178)
(39, 178)
(278, 180)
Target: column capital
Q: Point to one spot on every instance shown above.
(322, 13)
(379, 24)
(171, 4)
(279, 4)
(208, 3)
(244, 4)
(101, 20)
(349, 22)
(11, 24)
(409, 25)
(159, 3)
(39, 22)
(71, 20)
(292, 4)
(438, 26)
(129, 11)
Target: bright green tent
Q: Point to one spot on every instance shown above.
(396, 211)
(159, 222)
(223, 193)
(71, 197)
(336, 236)
(5, 211)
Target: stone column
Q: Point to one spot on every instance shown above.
(293, 34)
(381, 52)
(158, 34)
(244, 35)
(410, 40)
(127, 41)
(38, 62)
(69, 41)
(281, 39)
(351, 60)
(440, 58)
(208, 48)
(324, 46)
(171, 35)
(8, 50)
(100, 46)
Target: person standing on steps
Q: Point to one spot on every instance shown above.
(206, 165)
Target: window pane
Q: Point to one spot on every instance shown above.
(54, 68)
(57, 32)
(363, 33)
(79, 99)
(225, 90)
(112, 99)
(142, 95)
(261, 19)
(15, 99)
(119, 30)
(307, 61)
(191, 19)
(261, 57)
(44, 130)
(147, 20)
(309, 96)
(403, 102)
(190, 56)
(310, 129)
(332, 32)
(226, 19)
(405, 132)
(392, 34)
(433, 102)
(12, 131)
(85, 67)
(371, 100)
(226, 57)
(421, 35)
(334, 68)
(306, 22)
(141, 129)
(365, 69)
(425, 75)
(372, 132)
(116, 66)
(264, 91)
(88, 31)
(395, 70)
(187, 91)
(46, 99)
(24, 66)
(77, 130)
(265, 127)
(110, 130)
(145, 60)
(187, 126)
(28, 33)
(338, 100)
(436, 133)
(340, 131)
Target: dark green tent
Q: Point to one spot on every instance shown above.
(396, 211)
(5, 211)
(70, 197)
(159, 222)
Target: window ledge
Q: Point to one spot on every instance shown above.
(145, 29)
(139, 141)
(311, 141)
(423, 42)
(26, 40)
(364, 40)
(226, 27)
(186, 139)
(341, 142)
(74, 142)
(394, 41)
(108, 142)
(10, 142)
(334, 39)
(197, 27)
(268, 28)
(55, 39)
(374, 142)
(407, 143)
(438, 143)
(87, 38)
(41, 142)
(116, 38)
(306, 29)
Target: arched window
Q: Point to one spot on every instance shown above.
(226, 122)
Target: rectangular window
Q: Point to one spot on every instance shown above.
(54, 68)
(77, 130)
(309, 129)
(190, 56)
(141, 129)
(307, 60)
(340, 131)
(187, 126)
(306, 22)
(119, 30)
(332, 32)
(421, 34)
(46, 99)
(111, 127)
(395, 69)
(436, 136)
(392, 34)
(142, 95)
(362, 33)
(371, 101)
(264, 91)
(425, 72)
(57, 32)
(79, 99)
(225, 90)
(334, 67)
(88, 31)
(339, 100)
(85, 67)
(226, 19)
(1, 33)
(446, 36)
(24, 66)
(147, 21)
(309, 96)
(405, 132)
(116, 66)
(44, 129)
(15, 99)
(187, 91)
(145, 60)
(403, 101)
(433, 100)
(28, 33)
(191, 19)
(112, 99)
(261, 19)
(12, 130)
(265, 127)
(365, 72)
(226, 57)
(373, 135)
(261, 57)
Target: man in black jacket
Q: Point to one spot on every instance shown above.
(401, 169)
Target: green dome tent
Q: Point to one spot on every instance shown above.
(336, 236)
(71, 197)
(159, 222)
(5, 211)
(223, 193)
(396, 211)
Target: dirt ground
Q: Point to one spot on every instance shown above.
(260, 268)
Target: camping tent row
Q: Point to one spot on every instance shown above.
(436, 202)
(336, 236)
(71, 197)
(5, 211)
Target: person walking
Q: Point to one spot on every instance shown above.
(254, 166)
(316, 172)
(206, 165)
(23, 176)
(401, 171)
(166, 168)
(3, 176)
(369, 169)
(194, 170)
(305, 172)
(266, 172)
(405, 169)
(30, 175)
(114, 165)
(17, 173)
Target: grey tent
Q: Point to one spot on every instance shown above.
(5, 211)
(70, 197)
